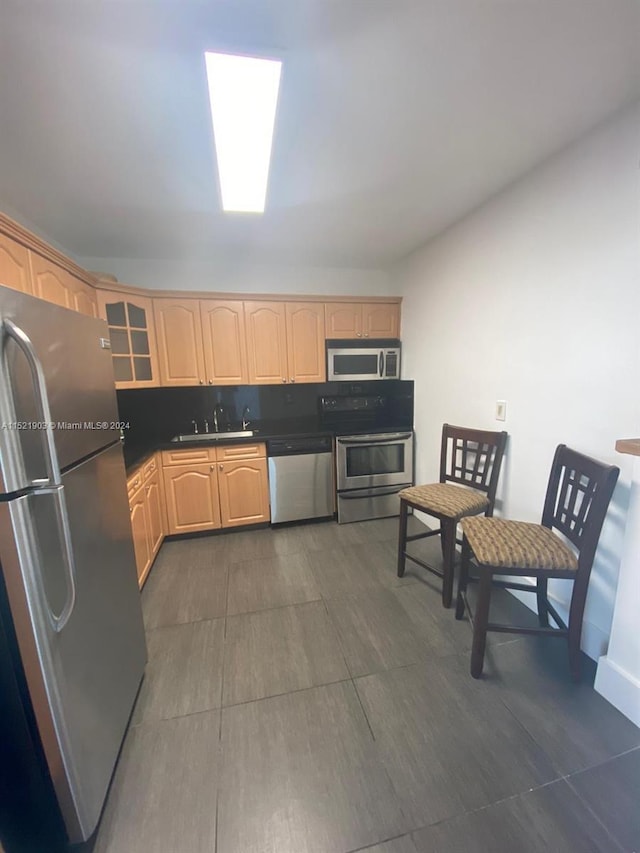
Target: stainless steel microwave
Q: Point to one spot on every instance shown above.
(356, 361)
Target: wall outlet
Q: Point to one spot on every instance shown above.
(501, 410)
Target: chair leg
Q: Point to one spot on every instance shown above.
(576, 613)
(402, 537)
(480, 622)
(448, 537)
(541, 594)
(463, 578)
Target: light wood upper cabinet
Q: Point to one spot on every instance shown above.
(343, 319)
(224, 341)
(132, 335)
(380, 320)
(266, 342)
(83, 298)
(305, 341)
(362, 319)
(51, 282)
(179, 335)
(244, 492)
(191, 493)
(14, 265)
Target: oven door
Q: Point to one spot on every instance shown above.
(365, 461)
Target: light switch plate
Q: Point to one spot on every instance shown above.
(501, 410)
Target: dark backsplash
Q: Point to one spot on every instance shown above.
(157, 414)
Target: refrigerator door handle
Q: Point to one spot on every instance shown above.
(62, 518)
(23, 342)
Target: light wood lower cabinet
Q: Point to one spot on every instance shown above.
(244, 492)
(192, 497)
(224, 491)
(146, 511)
(140, 532)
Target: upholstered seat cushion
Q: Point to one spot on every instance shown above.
(445, 499)
(517, 544)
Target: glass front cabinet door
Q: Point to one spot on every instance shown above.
(132, 335)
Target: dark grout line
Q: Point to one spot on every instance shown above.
(598, 819)
(286, 693)
(275, 607)
(383, 841)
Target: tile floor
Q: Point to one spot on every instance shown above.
(299, 697)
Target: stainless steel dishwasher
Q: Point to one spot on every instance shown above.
(300, 478)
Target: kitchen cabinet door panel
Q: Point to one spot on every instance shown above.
(305, 341)
(133, 340)
(266, 342)
(380, 320)
(244, 492)
(191, 494)
(343, 319)
(83, 298)
(179, 336)
(154, 513)
(224, 341)
(51, 282)
(14, 265)
(140, 532)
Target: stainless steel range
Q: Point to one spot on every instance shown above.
(370, 471)
(374, 449)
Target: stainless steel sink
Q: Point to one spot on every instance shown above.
(215, 436)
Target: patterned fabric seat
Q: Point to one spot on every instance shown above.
(517, 544)
(562, 546)
(445, 499)
(470, 462)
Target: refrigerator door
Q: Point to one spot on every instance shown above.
(84, 678)
(47, 347)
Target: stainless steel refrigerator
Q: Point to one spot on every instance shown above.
(70, 614)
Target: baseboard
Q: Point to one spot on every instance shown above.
(594, 640)
(620, 688)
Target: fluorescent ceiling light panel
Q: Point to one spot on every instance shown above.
(243, 92)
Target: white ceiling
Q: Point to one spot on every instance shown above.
(395, 118)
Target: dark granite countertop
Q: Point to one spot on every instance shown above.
(136, 453)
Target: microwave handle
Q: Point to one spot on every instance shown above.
(381, 363)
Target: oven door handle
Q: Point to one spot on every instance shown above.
(381, 363)
(361, 495)
(371, 439)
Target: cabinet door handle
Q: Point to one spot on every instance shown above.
(292, 379)
(358, 334)
(213, 467)
(366, 334)
(130, 509)
(222, 467)
(283, 379)
(211, 382)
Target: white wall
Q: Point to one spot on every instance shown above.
(243, 277)
(535, 299)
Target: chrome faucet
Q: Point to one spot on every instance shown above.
(245, 415)
(218, 414)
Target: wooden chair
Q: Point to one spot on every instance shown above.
(470, 462)
(575, 505)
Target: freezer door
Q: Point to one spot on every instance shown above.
(83, 679)
(69, 352)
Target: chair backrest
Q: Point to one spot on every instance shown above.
(577, 499)
(472, 457)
